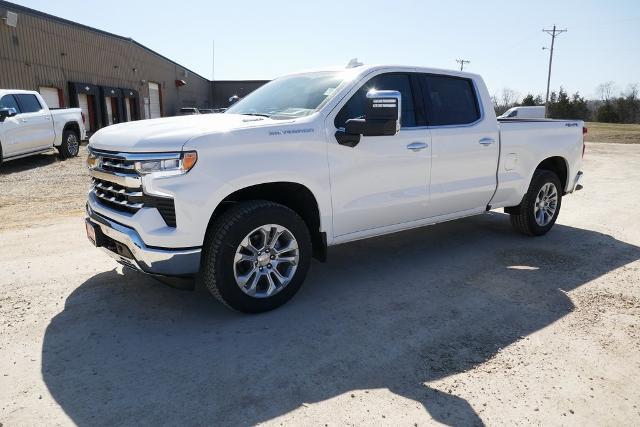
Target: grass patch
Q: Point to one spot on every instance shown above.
(613, 132)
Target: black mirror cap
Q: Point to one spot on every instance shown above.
(347, 139)
(355, 126)
(371, 127)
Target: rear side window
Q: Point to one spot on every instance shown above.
(401, 82)
(28, 103)
(8, 101)
(449, 100)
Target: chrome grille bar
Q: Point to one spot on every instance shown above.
(122, 202)
(133, 181)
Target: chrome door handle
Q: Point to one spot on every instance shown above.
(486, 141)
(23, 120)
(417, 146)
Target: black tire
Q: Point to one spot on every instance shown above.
(70, 146)
(222, 240)
(523, 216)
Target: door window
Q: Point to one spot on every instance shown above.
(28, 102)
(8, 101)
(355, 107)
(449, 100)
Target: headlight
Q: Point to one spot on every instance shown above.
(93, 161)
(167, 167)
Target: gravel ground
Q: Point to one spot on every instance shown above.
(41, 187)
(463, 323)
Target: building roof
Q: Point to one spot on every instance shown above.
(22, 9)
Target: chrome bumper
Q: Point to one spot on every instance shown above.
(125, 246)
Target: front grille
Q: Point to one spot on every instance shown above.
(117, 185)
(118, 197)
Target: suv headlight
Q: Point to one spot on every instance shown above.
(179, 165)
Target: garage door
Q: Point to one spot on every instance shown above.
(154, 100)
(107, 102)
(83, 103)
(127, 108)
(51, 97)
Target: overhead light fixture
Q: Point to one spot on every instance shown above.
(11, 19)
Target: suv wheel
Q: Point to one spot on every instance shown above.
(256, 256)
(539, 209)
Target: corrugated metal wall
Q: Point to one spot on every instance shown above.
(42, 51)
(224, 89)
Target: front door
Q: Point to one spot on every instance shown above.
(36, 126)
(10, 129)
(465, 145)
(381, 181)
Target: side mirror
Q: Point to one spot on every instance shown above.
(382, 118)
(7, 112)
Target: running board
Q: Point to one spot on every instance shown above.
(30, 153)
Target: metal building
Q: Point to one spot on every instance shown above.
(111, 78)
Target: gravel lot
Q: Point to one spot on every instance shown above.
(462, 323)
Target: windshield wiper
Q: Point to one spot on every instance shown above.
(256, 114)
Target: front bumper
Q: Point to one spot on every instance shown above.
(125, 246)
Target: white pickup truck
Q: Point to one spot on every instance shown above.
(243, 200)
(28, 126)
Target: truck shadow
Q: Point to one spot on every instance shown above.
(392, 313)
(31, 162)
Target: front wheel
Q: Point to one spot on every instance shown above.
(539, 209)
(70, 146)
(256, 256)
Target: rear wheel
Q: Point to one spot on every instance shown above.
(539, 209)
(70, 146)
(256, 256)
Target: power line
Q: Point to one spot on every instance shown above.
(462, 62)
(553, 33)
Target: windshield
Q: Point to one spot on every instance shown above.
(291, 96)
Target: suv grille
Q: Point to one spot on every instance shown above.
(118, 186)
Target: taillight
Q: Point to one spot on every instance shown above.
(583, 148)
(83, 118)
(584, 130)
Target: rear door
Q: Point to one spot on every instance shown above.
(36, 125)
(465, 145)
(381, 181)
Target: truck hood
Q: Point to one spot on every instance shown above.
(170, 134)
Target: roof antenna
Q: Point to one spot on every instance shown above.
(353, 63)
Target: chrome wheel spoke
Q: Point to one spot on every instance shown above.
(293, 245)
(242, 280)
(272, 285)
(276, 233)
(251, 289)
(240, 257)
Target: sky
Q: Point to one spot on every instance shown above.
(265, 39)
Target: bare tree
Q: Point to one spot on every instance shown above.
(509, 97)
(606, 90)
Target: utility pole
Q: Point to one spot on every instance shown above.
(462, 62)
(553, 33)
(213, 73)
